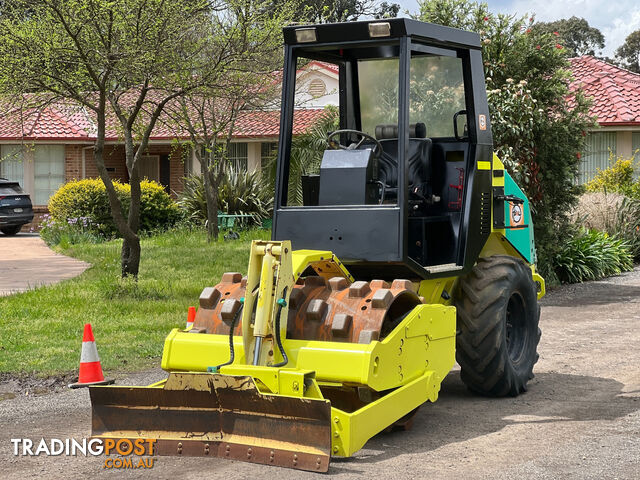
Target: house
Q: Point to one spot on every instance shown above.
(42, 150)
(46, 149)
(615, 93)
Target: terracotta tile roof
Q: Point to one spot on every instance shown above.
(55, 122)
(67, 121)
(615, 92)
(267, 124)
(63, 122)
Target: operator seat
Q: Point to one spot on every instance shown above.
(419, 157)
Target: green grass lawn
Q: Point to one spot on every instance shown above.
(41, 330)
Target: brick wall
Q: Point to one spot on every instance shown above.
(72, 162)
(114, 158)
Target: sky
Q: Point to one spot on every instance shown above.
(614, 18)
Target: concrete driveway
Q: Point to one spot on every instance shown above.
(26, 262)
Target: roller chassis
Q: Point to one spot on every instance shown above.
(331, 396)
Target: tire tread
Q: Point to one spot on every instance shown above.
(481, 351)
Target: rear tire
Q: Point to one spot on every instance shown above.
(11, 231)
(498, 315)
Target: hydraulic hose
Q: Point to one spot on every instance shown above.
(232, 354)
(281, 303)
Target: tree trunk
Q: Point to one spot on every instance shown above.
(130, 255)
(211, 197)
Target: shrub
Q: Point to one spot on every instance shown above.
(245, 193)
(627, 225)
(157, 210)
(599, 211)
(538, 127)
(613, 213)
(617, 178)
(88, 199)
(590, 255)
(239, 193)
(192, 201)
(85, 198)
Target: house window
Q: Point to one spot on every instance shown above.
(11, 166)
(268, 152)
(149, 167)
(635, 148)
(238, 156)
(596, 156)
(635, 144)
(48, 171)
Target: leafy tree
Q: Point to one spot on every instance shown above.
(245, 46)
(629, 52)
(330, 11)
(122, 61)
(574, 34)
(386, 10)
(538, 127)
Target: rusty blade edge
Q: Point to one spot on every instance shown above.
(312, 462)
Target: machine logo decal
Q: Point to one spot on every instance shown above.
(482, 122)
(517, 218)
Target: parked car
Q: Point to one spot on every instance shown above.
(16, 209)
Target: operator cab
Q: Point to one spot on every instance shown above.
(395, 191)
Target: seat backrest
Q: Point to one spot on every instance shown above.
(419, 160)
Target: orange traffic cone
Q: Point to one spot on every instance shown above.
(191, 316)
(90, 368)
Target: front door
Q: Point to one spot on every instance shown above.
(150, 167)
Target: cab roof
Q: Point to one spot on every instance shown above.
(399, 27)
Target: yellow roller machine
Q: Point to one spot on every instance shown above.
(413, 249)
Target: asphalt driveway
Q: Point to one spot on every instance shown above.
(26, 262)
(579, 420)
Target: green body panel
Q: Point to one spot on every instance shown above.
(521, 238)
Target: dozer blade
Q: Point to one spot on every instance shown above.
(203, 414)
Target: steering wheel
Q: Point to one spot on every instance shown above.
(377, 150)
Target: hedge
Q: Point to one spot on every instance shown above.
(88, 199)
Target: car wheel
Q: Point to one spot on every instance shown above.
(12, 230)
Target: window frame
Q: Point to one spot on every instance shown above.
(237, 161)
(38, 192)
(18, 151)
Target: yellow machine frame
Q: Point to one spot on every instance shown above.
(407, 366)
